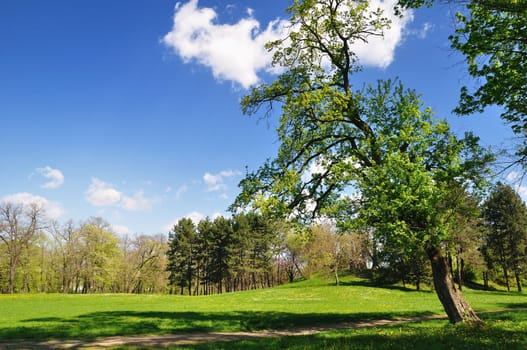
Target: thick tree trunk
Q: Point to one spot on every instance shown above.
(456, 307)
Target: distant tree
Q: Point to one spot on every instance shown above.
(149, 263)
(468, 231)
(67, 250)
(19, 228)
(99, 256)
(220, 238)
(329, 250)
(182, 251)
(505, 216)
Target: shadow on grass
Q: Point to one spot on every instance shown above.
(105, 324)
(501, 331)
(366, 283)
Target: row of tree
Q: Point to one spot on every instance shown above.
(224, 255)
(250, 251)
(37, 255)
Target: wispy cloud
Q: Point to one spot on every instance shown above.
(216, 182)
(103, 194)
(120, 229)
(195, 216)
(55, 177)
(421, 33)
(52, 210)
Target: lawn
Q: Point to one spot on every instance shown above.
(42, 317)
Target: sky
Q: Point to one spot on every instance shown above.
(129, 109)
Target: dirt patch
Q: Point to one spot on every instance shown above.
(163, 341)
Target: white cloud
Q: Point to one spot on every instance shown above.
(216, 182)
(424, 31)
(52, 210)
(120, 229)
(195, 216)
(101, 194)
(181, 190)
(136, 203)
(379, 51)
(55, 177)
(234, 52)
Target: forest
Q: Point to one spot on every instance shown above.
(251, 251)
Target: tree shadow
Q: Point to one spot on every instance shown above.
(425, 335)
(370, 284)
(105, 324)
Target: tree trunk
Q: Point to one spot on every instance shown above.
(459, 263)
(518, 280)
(456, 307)
(506, 275)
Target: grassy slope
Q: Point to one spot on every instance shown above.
(42, 317)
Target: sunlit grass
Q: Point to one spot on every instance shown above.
(309, 303)
(507, 331)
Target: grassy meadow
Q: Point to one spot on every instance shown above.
(40, 317)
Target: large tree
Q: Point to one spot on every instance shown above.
(334, 138)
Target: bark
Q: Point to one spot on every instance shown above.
(459, 263)
(456, 307)
(518, 279)
(506, 275)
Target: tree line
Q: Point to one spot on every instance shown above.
(38, 255)
(250, 251)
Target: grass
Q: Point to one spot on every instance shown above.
(506, 330)
(41, 317)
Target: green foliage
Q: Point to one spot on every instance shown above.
(505, 216)
(492, 38)
(223, 255)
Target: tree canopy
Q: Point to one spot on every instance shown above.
(491, 36)
(336, 139)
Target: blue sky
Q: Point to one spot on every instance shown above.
(129, 110)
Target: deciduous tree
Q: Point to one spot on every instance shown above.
(334, 138)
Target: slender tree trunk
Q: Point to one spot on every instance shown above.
(506, 275)
(518, 280)
(459, 264)
(456, 307)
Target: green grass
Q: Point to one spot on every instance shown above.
(42, 317)
(506, 330)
